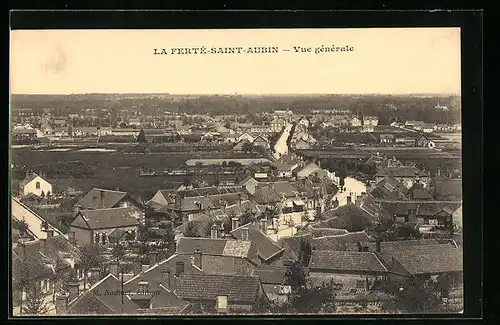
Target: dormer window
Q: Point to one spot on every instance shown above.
(222, 304)
(143, 287)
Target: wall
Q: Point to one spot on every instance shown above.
(82, 236)
(31, 187)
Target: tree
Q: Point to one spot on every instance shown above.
(208, 228)
(247, 217)
(91, 257)
(191, 230)
(247, 147)
(295, 276)
(22, 227)
(141, 138)
(35, 300)
(319, 299)
(417, 296)
(143, 233)
(305, 252)
(408, 232)
(118, 251)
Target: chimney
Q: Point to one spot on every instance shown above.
(214, 231)
(117, 189)
(198, 258)
(144, 267)
(61, 305)
(27, 173)
(73, 290)
(263, 225)
(165, 279)
(102, 199)
(244, 234)
(43, 244)
(137, 266)
(72, 238)
(235, 223)
(153, 256)
(179, 268)
(378, 245)
(50, 233)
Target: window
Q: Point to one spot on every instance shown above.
(37, 185)
(96, 238)
(103, 239)
(222, 303)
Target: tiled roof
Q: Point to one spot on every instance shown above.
(292, 244)
(388, 188)
(430, 259)
(188, 245)
(210, 246)
(423, 208)
(320, 232)
(346, 261)
(202, 286)
(446, 189)
(418, 192)
(266, 247)
(28, 179)
(106, 218)
(92, 200)
(266, 195)
(271, 275)
(285, 188)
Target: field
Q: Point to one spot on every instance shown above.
(105, 169)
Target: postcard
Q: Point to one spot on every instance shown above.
(184, 172)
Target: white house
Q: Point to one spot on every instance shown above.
(355, 121)
(34, 184)
(246, 136)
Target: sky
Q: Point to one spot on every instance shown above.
(384, 61)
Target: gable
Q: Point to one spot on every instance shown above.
(80, 222)
(90, 304)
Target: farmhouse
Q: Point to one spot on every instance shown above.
(35, 184)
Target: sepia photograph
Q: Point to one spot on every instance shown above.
(185, 172)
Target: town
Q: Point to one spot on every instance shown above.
(221, 205)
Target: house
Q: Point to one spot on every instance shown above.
(134, 122)
(24, 134)
(277, 124)
(268, 251)
(35, 184)
(40, 261)
(345, 267)
(418, 192)
(99, 198)
(246, 136)
(457, 216)
(301, 144)
(355, 121)
(429, 261)
(406, 175)
(417, 125)
(224, 256)
(446, 189)
(428, 128)
(427, 214)
(370, 120)
(104, 298)
(309, 170)
(96, 226)
(387, 138)
(249, 184)
(38, 227)
(219, 293)
(260, 141)
(388, 188)
(230, 137)
(272, 280)
(368, 128)
(59, 122)
(285, 169)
